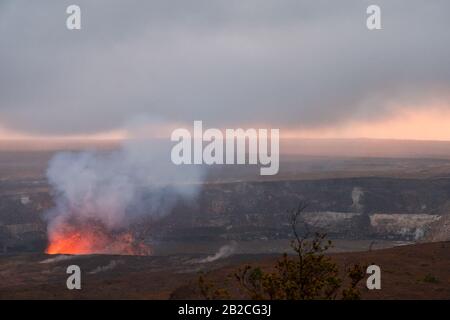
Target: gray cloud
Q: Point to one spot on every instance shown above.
(289, 63)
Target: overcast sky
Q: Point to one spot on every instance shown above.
(279, 63)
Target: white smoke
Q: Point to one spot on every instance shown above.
(117, 187)
(111, 265)
(224, 252)
(58, 258)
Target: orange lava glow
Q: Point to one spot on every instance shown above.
(92, 239)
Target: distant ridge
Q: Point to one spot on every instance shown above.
(360, 148)
(367, 148)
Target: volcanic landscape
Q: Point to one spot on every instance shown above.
(384, 210)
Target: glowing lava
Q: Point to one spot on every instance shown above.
(91, 239)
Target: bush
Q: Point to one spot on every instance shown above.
(430, 278)
(307, 275)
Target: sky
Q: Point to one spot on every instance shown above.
(310, 68)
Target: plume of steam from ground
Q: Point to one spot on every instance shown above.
(58, 258)
(224, 252)
(116, 188)
(111, 265)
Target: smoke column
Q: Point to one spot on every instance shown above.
(111, 190)
(224, 252)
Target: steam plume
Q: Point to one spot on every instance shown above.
(113, 189)
(224, 252)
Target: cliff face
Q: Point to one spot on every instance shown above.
(21, 225)
(439, 230)
(346, 208)
(407, 226)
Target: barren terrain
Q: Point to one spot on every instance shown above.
(420, 271)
